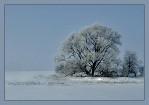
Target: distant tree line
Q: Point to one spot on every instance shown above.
(93, 51)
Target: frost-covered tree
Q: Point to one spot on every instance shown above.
(130, 63)
(88, 50)
(140, 68)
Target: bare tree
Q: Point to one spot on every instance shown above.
(85, 51)
(141, 68)
(130, 63)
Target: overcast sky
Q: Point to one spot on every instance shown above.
(34, 33)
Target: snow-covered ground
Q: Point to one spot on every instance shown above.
(45, 85)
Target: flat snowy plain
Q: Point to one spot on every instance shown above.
(45, 85)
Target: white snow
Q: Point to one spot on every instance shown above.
(45, 85)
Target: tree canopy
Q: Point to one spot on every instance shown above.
(93, 48)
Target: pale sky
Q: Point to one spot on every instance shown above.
(34, 33)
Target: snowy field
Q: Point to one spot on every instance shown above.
(45, 85)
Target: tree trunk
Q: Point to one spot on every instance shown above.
(93, 68)
(93, 73)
